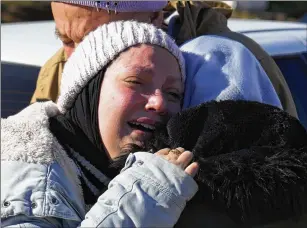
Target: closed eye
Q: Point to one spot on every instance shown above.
(133, 82)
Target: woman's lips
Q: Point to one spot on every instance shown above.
(143, 127)
(144, 123)
(140, 134)
(146, 120)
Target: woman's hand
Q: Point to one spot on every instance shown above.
(181, 158)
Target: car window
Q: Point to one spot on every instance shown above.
(294, 69)
(18, 82)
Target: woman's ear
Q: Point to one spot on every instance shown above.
(157, 19)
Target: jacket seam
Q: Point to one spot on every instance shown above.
(132, 186)
(118, 203)
(45, 190)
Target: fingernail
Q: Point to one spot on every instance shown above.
(189, 152)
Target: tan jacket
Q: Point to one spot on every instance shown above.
(49, 78)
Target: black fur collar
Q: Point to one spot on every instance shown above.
(253, 159)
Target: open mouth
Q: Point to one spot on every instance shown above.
(142, 126)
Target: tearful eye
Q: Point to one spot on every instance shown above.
(134, 82)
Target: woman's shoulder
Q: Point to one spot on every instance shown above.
(26, 136)
(35, 169)
(27, 139)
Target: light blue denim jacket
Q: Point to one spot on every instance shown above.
(40, 184)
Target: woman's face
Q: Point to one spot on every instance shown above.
(140, 90)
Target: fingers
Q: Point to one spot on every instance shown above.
(171, 154)
(192, 169)
(181, 158)
(180, 149)
(174, 154)
(164, 151)
(185, 159)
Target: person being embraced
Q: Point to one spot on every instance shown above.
(125, 79)
(252, 160)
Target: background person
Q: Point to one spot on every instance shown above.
(74, 20)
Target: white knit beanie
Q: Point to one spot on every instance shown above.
(102, 46)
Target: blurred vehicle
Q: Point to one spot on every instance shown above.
(304, 18)
(25, 47)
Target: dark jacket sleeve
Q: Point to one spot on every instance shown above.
(253, 164)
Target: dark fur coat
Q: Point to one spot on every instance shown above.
(253, 160)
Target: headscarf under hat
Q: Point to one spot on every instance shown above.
(77, 128)
(101, 47)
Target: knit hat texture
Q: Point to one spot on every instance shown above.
(123, 6)
(102, 46)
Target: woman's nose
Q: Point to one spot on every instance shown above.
(156, 102)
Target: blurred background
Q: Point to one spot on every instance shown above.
(16, 11)
(274, 30)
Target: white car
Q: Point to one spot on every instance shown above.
(248, 5)
(25, 47)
